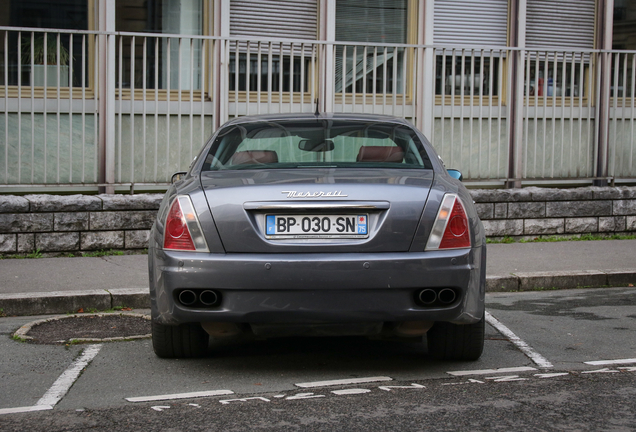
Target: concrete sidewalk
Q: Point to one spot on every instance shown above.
(60, 285)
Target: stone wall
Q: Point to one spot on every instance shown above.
(65, 224)
(57, 223)
(532, 212)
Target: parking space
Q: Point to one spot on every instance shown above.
(570, 327)
(27, 371)
(567, 328)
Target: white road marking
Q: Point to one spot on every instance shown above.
(610, 362)
(343, 382)
(227, 401)
(492, 371)
(551, 375)
(190, 395)
(350, 391)
(604, 370)
(507, 378)
(62, 385)
(304, 396)
(388, 388)
(628, 369)
(537, 358)
(475, 381)
(25, 409)
(279, 396)
(160, 407)
(195, 405)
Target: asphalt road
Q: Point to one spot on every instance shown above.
(578, 372)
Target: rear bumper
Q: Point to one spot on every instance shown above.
(318, 288)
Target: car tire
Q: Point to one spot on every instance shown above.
(447, 341)
(180, 341)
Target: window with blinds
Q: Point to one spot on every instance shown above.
(469, 25)
(560, 24)
(280, 66)
(552, 29)
(292, 19)
(376, 22)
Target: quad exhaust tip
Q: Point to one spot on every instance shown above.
(198, 297)
(447, 296)
(436, 297)
(208, 298)
(187, 297)
(428, 296)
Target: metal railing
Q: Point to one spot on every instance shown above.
(96, 109)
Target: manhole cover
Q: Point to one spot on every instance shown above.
(86, 328)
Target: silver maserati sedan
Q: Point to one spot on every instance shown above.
(318, 225)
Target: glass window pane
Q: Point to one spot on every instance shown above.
(65, 14)
(168, 58)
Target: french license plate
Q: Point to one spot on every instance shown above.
(312, 226)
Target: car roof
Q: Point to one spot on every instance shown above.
(320, 116)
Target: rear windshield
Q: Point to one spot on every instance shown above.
(315, 144)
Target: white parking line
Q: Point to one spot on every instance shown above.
(492, 371)
(343, 382)
(611, 362)
(190, 395)
(66, 380)
(537, 358)
(25, 409)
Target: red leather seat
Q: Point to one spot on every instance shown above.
(254, 157)
(380, 154)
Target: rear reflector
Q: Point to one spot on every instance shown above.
(451, 228)
(182, 229)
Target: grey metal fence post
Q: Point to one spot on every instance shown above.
(106, 92)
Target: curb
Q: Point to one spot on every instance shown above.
(23, 332)
(60, 302)
(561, 280)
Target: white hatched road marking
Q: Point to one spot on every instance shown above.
(227, 401)
(343, 382)
(537, 358)
(492, 371)
(351, 391)
(160, 407)
(506, 378)
(604, 370)
(67, 379)
(388, 388)
(304, 396)
(611, 362)
(190, 395)
(551, 375)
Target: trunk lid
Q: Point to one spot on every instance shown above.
(391, 200)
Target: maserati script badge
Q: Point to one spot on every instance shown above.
(319, 194)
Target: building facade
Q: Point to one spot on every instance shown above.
(115, 95)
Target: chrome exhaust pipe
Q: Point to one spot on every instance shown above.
(209, 297)
(447, 296)
(187, 297)
(427, 296)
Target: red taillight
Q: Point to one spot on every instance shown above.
(456, 234)
(177, 235)
(450, 229)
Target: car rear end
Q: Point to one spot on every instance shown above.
(317, 226)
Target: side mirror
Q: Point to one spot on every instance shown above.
(178, 176)
(455, 174)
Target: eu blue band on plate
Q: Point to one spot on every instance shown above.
(271, 224)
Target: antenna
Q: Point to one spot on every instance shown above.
(317, 113)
